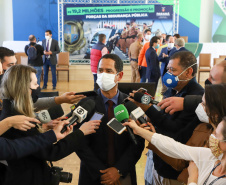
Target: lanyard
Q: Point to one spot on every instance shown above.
(214, 179)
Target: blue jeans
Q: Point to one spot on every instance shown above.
(46, 66)
(143, 74)
(39, 73)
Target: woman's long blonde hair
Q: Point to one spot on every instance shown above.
(16, 87)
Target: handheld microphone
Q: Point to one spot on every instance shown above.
(136, 113)
(146, 99)
(52, 113)
(122, 115)
(73, 107)
(80, 113)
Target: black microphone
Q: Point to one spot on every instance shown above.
(52, 113)
(136, 113)
(146, 99)
(80, 113)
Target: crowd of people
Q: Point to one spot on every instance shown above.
(186, 136)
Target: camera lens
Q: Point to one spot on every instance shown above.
(65, 177)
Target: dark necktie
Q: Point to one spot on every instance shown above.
(47, 48)
(111, 147)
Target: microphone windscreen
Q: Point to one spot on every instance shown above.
(130, 106)
(55, 112)
(138, 96)
(142, 98)
(121, 113)
(88, 105)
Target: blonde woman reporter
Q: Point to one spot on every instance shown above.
(19, 84)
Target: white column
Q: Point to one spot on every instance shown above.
(206, 19)
(6, 20)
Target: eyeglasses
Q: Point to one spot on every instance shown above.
(217, 138)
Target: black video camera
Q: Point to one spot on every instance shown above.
(59, 176)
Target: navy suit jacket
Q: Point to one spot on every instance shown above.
(94, 152)
(164, 60)
(153, 70)
(55, 50)
(174, 50)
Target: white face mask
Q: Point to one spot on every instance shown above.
(47, 37)
(201, 113)
(148, 37)
(106, 81)
(170, 45)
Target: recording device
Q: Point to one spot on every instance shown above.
(146, 99)
(122, 115)
(142, 90)
(80, 113)
(60, 176)
(97, 116)
(52, 113)
(136, 113)
(87, 93)
(116, 126)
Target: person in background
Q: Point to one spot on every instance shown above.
(153, 70)
(141, 59)
(98, 50)
(7, 58)
(176, 36)
(164, 58)
(179, 46)
(36, 62)
(51, 49)
(133, 54)
(147, 36)
(122, 41)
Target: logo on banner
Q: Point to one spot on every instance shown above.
(163, 9)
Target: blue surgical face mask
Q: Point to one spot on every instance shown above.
(171, 81)
(157, 46)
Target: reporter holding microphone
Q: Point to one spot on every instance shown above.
(19, 84)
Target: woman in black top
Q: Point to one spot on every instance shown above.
(19, 87)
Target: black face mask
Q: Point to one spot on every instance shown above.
(35, 94)
(207, 82)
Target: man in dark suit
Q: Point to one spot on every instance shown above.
(179, 46)
(164, 57)
(107, 157)
(153, 71)
(51, 49)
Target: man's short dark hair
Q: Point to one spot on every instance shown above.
(102, 37)
(177, 35)
(187, 58)
(127, 23)
(145, 23)
(5, 52)
(32, 38)
(167, 37)
(117, 59)
(50, 32)
(147, 31)
(154, 40)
